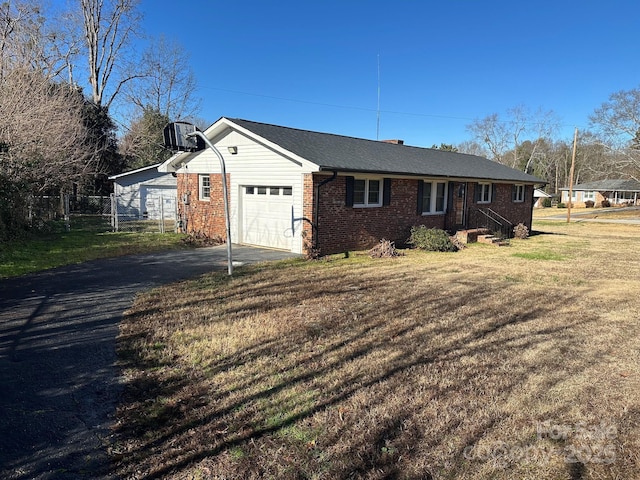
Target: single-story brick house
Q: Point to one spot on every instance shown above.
(295, 189)
(616, 191)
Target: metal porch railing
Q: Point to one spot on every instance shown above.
(491, 220)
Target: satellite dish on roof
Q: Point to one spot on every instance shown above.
(178, 137)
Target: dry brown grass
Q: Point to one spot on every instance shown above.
(511, 362)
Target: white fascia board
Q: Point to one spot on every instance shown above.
(540, 193)
(138, 170)
(221, 125)
(174, 163)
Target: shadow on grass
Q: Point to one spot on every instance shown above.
(375, 388)
(536, 233)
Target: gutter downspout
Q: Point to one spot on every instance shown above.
(316, 209)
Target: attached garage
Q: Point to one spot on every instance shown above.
(265, 190)
(267, 216)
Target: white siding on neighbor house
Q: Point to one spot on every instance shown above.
(138, 194)
(254, 165)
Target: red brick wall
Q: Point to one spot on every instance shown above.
(307, 211)
(202, 217)
(503, 204)
(342, 228)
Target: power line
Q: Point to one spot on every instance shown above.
(378, 111)
(333, 105)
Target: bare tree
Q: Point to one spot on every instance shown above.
(618, 119)
(108, 27)
(41, 130)
(493, 134)
(542, 128)
(472, 148)
(165, 82)
(617, 122)
(503, 138)
(21, 24)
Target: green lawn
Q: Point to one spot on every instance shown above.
(87, 239)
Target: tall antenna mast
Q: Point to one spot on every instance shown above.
(378, 110)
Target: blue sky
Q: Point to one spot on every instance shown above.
(314, 65)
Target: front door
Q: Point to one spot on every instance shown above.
(459, 202)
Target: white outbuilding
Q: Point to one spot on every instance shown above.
(145, 194)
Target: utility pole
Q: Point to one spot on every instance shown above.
(573, 165)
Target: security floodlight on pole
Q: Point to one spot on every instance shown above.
(224, 193)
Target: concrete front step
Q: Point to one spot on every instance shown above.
(481, 235)
(471, 235)
(492, 240)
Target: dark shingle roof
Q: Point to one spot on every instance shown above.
(619, 185)
(349, 154)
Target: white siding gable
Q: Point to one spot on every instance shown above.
(254, 165)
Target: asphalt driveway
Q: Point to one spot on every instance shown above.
(59, 384)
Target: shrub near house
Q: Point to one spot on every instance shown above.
(431, 239)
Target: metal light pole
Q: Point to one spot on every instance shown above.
(224, 193)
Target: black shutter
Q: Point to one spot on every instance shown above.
(492, 192)
(420, 194)
(386, 192)
(451, 191)
(476, 192)
(349, 189)
(514, 190)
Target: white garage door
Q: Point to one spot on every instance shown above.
(266, 216)
(158, 202)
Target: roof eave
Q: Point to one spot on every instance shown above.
(133, 172)
(174, 163)
(327, 168)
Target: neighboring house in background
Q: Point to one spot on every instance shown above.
(295, 189)
(539, 197)
(145, 193)
(617, 192)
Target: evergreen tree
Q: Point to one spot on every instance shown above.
(143, 143)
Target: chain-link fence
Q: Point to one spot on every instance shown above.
(153, 212)
(77, 212)
(106, 213)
